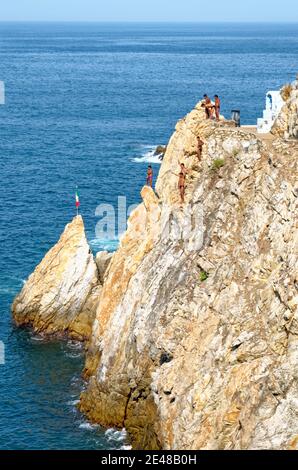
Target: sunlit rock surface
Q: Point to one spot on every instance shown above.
(195, 341)
(61, 294)
(286, 125)
(194, 344)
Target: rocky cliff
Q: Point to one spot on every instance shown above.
(195, 341)
(286, 124)
(61, 295)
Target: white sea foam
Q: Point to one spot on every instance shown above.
(38, 338)
(105, 244)
(73, 355)
(74, 349)
(88, 426)
(116, 435)
(73, 402)
(148, 156)
(75, 346)
(76, 380)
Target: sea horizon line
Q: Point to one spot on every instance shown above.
(202, 22)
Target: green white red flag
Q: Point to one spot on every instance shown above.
(77, 199)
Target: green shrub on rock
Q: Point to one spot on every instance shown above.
(218, 163)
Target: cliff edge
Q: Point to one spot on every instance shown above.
(286, 124)
(195, 340)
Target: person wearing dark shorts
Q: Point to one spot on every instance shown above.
(200, 147)
(207, 105)
(181, 181)
(217, 107)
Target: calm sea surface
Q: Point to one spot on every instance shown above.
(86, 104)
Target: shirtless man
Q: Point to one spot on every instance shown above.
(181, 185)
(212, 111)
(149, 180)
(181, 181)
(183, 169)
(208, 106)
(217, 107)
(200, 147)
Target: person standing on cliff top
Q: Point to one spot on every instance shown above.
(207, 105)
(149, 180)
(217, 107)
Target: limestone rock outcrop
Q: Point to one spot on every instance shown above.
(103, 259)
(160, 151)
(286, 124)
(61, 295)
(195, 341)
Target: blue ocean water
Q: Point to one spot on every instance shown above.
(85, 105)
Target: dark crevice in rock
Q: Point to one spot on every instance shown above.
(235, 347)
(126, 405)
(165, 357)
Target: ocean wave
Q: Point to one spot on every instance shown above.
(104, 244)
(148, 156)
(73, 402)
(88, 426)
(75, 345)
(73, 349)
(115, 435)
(9, 290)
(73, 355)
(76, 381)
(38, 338)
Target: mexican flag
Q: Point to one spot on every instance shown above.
(77, 199)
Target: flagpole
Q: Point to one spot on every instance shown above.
(76, 201)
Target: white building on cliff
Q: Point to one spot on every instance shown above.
(274, 103)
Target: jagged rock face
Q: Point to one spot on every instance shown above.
(62, 293)
(103, 259)
(183, 147)
(286, 124)
(195, 342)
